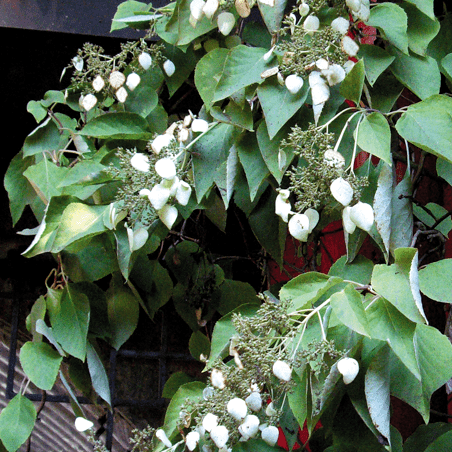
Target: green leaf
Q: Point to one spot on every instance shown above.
(425, 435)
(385, 92)
(374, 136)
(41, 363)
(38, 312)
(399, 285)
(392, 22)
(432, 280)
(348, 306)
(383, 205)
(438, 212)
(387, 324)
(43, 329)
(401, 215)
(233, 114)
(272, 95)
(126, 9)
(256, 34)
(142, 100)
(98, 374)
(376, 61)
(298, 397)
(227, 174)
(253, 445)
(233, 294)
(428, 125)
(251, 159)
(17, 420)
(377, 392)
(243, 66)
(208, 72)
(425, 6)
(70, 322)
(421, 28)
(173, 383)
(446, 66)
(360, 270)
(45, 137)
(199, 345)
(38, 111)
(441, 45)
(123, 310)
(273, 15)
(121, 125)
(419, 74)
(352, 86)
(305, 289)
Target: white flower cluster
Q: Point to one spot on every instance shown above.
(117, 80)
(208, 8)
(300, 224)
(360, 215)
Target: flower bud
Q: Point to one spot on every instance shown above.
(250, 426)
(89, 101)
(299, 229)
(140, 162)
(219, 435)
(348, 368)
(237, 408)
(282, 205)
(82, 424)
(192, 440)
(98, 83)
(349, 46)
(169, 68)
(210, 8)
(160, 142)
(294, 83)
(303, 9)
(342, 191)
(225, 22)
(270, 435)
(117, 79)
(311, 24)
(217, 379)
(282, 370)
(362, 215)
(166, 168)
(121, 94)
(133, 80)
(199, 125)
(168, 215)
(210, 421)
(348, 224)
(145, 61)
(254, 401)
(341, 25)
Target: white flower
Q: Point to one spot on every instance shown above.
(219, 435)
(322, 64)
(225, 22)
(169, 68)
(187, 121)
(282, 160)
(354, 5)
(342, 191)
(117, 79)
(183, 193)
(362, 215)
(82, 424)
(334, 158)
(210, 421)
(294, 83)
(348, 66)
(250, 426)
(363, 13)
(161, 435)
(133, 80)
(160, 142)
(165, 168)
(237, 408)
(145, 60)
(341, 25)
(171, 184)
(320, 92)
(314, 217)
(158, 196)
(89, 101)
(299, 227)
(270, 410)
(269, 54)
(192, 440)
(137, 238)
(348, 368)
(217, 379)
(168, 215)
(207, 392)
(270, 435)
(98, 83)
(140, 162)
(349, 46)
(303, 9)
(311, 24)
(196, 9)
(77, 61)
(282, 205)
(334, 74)
(114, 217)
(199, 125)
(210, 8)
(254, 401)
(121, 94)
(282, 370)
(348, 224)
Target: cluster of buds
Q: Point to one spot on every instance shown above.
(360, 215)
(300, 224)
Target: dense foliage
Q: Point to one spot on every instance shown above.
(305, 110)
